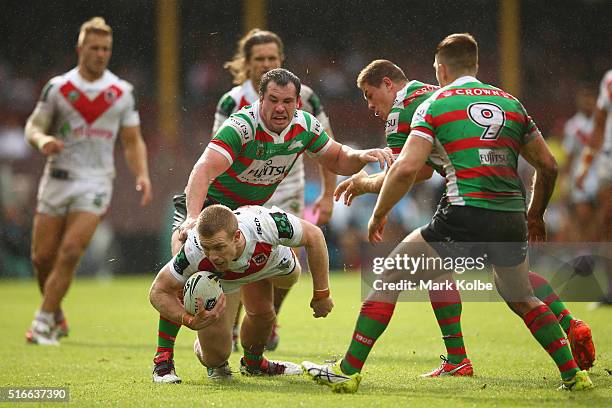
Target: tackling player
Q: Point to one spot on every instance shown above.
(258, 52)
(455, 128)
(249, 247)
(75, 124)
(394, 100)
(246, 160)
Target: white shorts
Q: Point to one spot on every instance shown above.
(291, 201)
(58, 197)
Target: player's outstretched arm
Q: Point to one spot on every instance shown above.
(208, 167)
(537, 153)
(135, 153)
(318, 260)
(343, 160)
(398, 181)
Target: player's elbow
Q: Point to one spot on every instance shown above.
(406, 169)
(313, 235)
(548, 168)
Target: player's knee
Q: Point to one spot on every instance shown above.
(42, 260)
(262, 316)
(71, 253)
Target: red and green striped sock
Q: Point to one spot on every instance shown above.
(253, 359)
(546, 329)
(371, 323)
(447, 308)
(166, 335)
(544, 292)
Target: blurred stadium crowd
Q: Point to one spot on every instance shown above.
(564, 53)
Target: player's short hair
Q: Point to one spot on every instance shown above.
(376, 70)
(458, 51)
(94, 25)
(237, 65)
(215, 218)
(281, 77)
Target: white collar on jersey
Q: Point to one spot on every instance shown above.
(278, 137)
(463, 80)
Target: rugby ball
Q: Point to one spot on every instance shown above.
(203, 285)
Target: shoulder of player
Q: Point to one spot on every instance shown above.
(306, 92)
(113, 79)
(253, 221)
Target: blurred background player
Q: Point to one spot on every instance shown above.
(258, 52)
(75, 124)
(600, 148)
(478, 207)
(394, 99)
(248, 248)
(577, 136)
(244, 163)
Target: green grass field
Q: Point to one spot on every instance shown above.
(107, 358)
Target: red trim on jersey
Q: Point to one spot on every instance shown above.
(259, 260)
(225, 147)
(263, 136)
(90, 110)
(233, 196)
(493, 194)
(296, 130)
(396, 150)
(474, 142)
(425, 130)
(486, 171)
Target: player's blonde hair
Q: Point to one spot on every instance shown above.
(376, 70)
(215, 218)
(459, 52)
(94, 25)
(237, 65)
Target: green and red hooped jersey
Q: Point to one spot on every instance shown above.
(477, 131)
(260, 158)
(397, 125)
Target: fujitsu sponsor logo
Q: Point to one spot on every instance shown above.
(268, 172)
(86, 131)
(494, 157)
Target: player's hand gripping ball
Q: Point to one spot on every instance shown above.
(204, 285)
